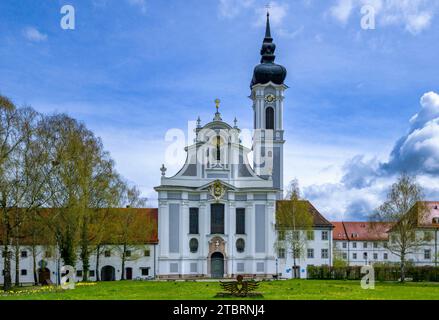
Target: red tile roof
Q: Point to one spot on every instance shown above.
(142, 219)
(361, 231)
(431, 219)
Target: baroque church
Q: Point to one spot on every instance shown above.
(216, 216)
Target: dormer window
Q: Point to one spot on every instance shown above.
(436, 220)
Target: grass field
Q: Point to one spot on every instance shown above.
(281, 290)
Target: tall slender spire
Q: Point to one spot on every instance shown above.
(268, 71)
(267, 28)
(268, 47)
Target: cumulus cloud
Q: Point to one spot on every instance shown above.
(414, 15)
(364, 183)
(418, 151)
(32, 34)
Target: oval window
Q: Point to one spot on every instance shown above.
(193, 245)
(240, 245)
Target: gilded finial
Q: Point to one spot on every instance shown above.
(217, 104)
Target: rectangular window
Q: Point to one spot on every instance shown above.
(365, 255)
(48, 254)
(217, 218)
(174, 228)
(24, 254)
(385, 245)
(79, 273)
(364, 245)
(345, 256)
(310, 253)
(241, 197)
(427, 254)
(91, 273)
(194, 267)
(173, 267)
(194, 197)
(174, 195)
(310, 235)
(107, 253)
(147, 253)
(240, 267)
(375, 256)
(325, 254)
(260, 228)
(325, 235)
(260, 267)
(295, 235)
(23, 272)
(240, 221)
(375, 245)
(128, 253)
(193, 221)
(281, 235)
(354, 245)
(345, 245)
(145, 271)
(385, 256)
(354, 256)
(281, 253)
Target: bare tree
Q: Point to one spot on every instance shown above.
(129, 229)
(404, 209)
(294, 223)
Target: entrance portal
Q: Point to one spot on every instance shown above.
(108, 273)
(43, 276)
(129, 273)
(217, 265)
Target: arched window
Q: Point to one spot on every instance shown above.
(218, 148)
(269, 118)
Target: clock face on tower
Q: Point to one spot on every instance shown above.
(270, 98)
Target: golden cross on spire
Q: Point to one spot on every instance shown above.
(217, 104)
(268, 7)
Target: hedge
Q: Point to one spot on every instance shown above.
(382, 273)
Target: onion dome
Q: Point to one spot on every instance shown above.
(268, 71)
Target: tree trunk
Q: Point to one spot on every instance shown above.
(402, 267)
(85, 254)
(85, 262)
(7, 284)
(34, 263)
(123, 262)
(17, 264)
(98, 253)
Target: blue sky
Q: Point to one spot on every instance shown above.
(133, 69)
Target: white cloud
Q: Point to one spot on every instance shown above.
(414, 15)
(231, 8)
(140, 4)
(32, 34)
(342, 10)
(364, 182)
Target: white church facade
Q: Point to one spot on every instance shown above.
(217, 214)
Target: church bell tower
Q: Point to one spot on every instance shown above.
(267, 93)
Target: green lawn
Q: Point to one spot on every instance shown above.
(283, 290)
